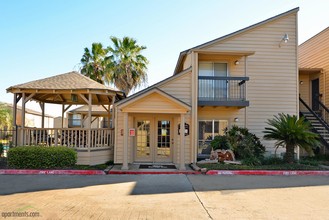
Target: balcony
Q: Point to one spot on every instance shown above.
(222, 91)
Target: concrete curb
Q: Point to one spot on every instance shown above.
(51, 172)
(269, 172)
(150, 172)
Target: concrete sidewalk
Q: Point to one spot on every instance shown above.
(166, 196)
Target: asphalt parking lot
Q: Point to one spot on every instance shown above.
(164, 197)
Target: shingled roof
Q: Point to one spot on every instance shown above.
(60, 88)
(66, 81)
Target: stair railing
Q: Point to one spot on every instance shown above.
(324, 110)
(325, 125)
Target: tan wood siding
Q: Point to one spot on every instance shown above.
(272, 70)
(179, 88)
(94, 157)
(118, 152)
(155, 103)
(187, 148)
(314, 53)
(187, 62)
(222, 113)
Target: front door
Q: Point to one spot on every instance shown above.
(315, 94)
(153, 140)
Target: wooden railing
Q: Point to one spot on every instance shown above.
(70, 137)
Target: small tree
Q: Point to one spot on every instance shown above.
(290, 132)
(6, 118)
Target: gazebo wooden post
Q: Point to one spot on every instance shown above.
(89, 121)
(109, 116)
(23, 119)
(63, 109)
(42, 106)
(112, 117)
(14, 119)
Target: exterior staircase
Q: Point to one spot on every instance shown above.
(320, 126)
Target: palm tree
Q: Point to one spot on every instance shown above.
(129, 65)
(5, 116)
(290, 132)
(96, 63)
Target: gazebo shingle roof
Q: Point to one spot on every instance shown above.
(61, 88)
(70, 80)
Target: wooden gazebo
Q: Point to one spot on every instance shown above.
(67, 89)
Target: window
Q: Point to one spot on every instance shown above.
(75, 120)
(212, 89)
(208, 129)
(105, 123)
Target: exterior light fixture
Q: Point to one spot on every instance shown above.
(301, 82)
(236, 119)
(237, 62)
(284, 39)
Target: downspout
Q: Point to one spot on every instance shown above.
(297, 80)
(245, 75)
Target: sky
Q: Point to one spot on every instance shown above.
(41, 38)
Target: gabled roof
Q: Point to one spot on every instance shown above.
(95, 110)
(28, 111)
(204, 45)
(315, 36)
(169, 104)
(154, 86)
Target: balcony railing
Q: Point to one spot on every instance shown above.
(222, 91)
(71, 137)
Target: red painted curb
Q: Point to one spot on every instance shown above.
(151, 172)
(52, 172)
(270, 172)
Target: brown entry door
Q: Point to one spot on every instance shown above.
(315, 94)
(153, 141)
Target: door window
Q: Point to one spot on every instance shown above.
(143, 139)
(163, 139)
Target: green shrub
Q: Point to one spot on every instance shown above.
(273, 161)
(1, 148)
(251, 161)
(220, 142)
(41, 157)
(245, 145)
(309, 161)
(110, 162)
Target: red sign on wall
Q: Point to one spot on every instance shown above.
(132, 132)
